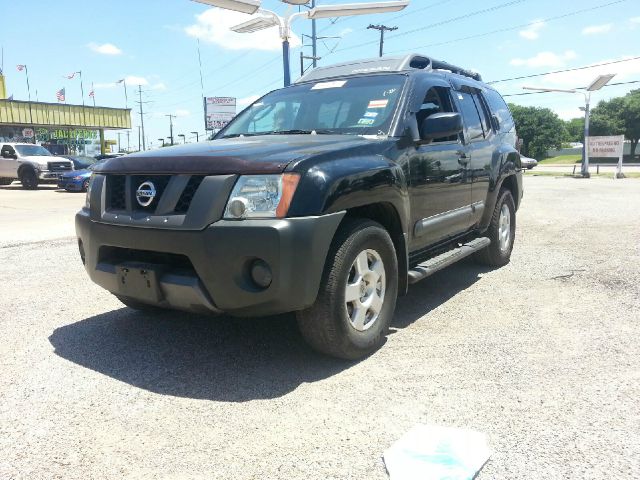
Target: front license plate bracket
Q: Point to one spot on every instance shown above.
(139, 281)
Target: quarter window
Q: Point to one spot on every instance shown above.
(499, 108)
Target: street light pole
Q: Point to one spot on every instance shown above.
(596, 85)
(171, 117)
(269, 19)
(197, 136)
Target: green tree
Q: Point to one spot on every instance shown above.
(539, 128)
(618, 116)
(575, 130)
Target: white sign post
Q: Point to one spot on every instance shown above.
(218, 111)
(608, 147)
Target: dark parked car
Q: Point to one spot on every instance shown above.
(326, 198)
(77, 180)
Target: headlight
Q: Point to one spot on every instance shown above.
(87, 201)
(261, 196)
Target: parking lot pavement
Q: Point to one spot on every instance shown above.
(36, 215)
(542, 355)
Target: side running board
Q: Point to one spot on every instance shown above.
(431, 266)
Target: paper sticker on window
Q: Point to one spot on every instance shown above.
(371, 114)
(325, 85)
(365, 121)
(460, 97)
(378, 103)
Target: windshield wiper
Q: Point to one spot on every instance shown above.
(298, 132)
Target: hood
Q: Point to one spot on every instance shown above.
(248, 155)
(75, 173)
(43, 159)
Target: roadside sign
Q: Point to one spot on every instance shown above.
(218, 112)
(607, 147)
(28, 132)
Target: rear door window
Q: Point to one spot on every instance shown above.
(472, 121)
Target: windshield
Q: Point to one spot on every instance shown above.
(32, 150)
(355, 106)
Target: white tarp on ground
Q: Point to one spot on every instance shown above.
(437, 453)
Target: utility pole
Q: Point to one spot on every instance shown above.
(139, 137)
(119, 148)
(128, 141)
(171, 117)
(144, 146)
(314, 38)
(382, 29)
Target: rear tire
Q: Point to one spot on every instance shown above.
(501, 231)
(140, 306)
(6, 181)
(357, 296)
(28, 178)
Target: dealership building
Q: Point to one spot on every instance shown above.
(61, 128)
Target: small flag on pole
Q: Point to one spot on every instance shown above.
(60, 95)
(20, 67)
(92, 93)
(70, 76)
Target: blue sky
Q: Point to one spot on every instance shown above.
(154, 43)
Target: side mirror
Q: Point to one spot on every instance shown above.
(440, 125)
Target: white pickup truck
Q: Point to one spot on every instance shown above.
(31, 164)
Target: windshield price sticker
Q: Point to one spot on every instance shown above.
(325, 85)
(378, 103)
(365, 121)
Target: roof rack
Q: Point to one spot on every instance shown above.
(386, 64)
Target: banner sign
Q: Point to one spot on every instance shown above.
(218, 112)
(606, 147)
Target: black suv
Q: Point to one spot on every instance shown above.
(326, 198)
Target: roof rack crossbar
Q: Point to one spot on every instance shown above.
(387, 64)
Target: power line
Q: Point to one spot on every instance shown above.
(565, 70)
(442, 22)
(511, 28)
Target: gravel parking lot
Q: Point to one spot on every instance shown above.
(542, 355)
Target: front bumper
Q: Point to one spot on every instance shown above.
(50, 176)
(70, 184)
(220, 255)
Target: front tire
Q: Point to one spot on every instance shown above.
(357, 296)
(501, 231)
(28, 178)
(85, 185)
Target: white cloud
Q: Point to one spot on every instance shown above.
(532, 32)
(105, 48)
(213, 26)
(545, 59)
(635, 20)
(182, 113)
(159, 86)
(134, 80)
(596, 29)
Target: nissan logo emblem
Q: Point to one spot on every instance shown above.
(145, 193)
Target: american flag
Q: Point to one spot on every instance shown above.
(92, 93)
(60, 95)
(20, 67)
